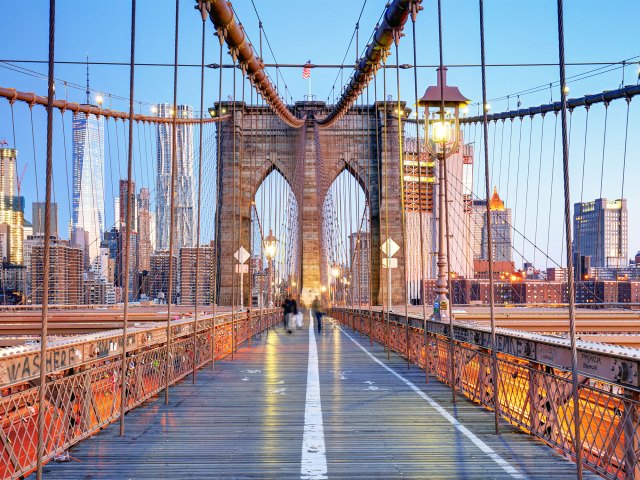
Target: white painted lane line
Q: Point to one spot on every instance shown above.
(314, 458)
(486, 449)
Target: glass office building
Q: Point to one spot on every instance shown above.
(88, 181)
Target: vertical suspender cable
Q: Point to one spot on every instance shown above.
(378, 172)
(203, 12)
(47, 242)
(233, 210)
(174, 169)
(240, 160)
(369, 196)
(415, 7)
(385, 168)
(577, 442)
(127, 227)
(400, 113)
(216, 252)
(442, 258)
(494, 355)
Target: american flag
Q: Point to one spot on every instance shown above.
(306, 71)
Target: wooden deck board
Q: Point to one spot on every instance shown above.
(246, 420)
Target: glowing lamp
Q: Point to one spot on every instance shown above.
(441, 116)
(441, 131)
(99, 99)
(270, 245)
(565, 89)
(154, 109)
(323, 289)
(335, 270)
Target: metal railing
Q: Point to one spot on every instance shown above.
(532, 395)
(84, 395)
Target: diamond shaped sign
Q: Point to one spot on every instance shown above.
(390, 248)
(242, 255)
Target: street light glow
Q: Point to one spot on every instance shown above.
(441, 132)
(335, 270)
(270, 245)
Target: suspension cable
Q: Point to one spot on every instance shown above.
(174, 171)
(127, 238)
(567, 224)
(47, 242)
(494, 356)
(199, 208)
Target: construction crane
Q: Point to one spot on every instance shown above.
(20, 177)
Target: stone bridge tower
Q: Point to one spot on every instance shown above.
(254, 142)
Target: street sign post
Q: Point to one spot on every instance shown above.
(389, 248)
(242, 256)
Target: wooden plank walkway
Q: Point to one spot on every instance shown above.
(246, 420)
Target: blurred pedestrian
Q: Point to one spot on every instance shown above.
(316, 306)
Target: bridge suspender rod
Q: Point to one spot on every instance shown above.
(216, 250)
(203, 13)
(397, 34)
(376, 122)
(127, 227)
(233, 213)
(494, 355)
(415, 7)
(577, 441)
(368, 168)
(385, 172)
(443, 258)
(47, 242)
(174, 169)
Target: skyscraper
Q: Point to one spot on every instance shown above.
(37, 209)
(600, 231)
(88, 180)
(11, 208)
(500, 229)
(133, 238)
(121, 221)
(65, 273)
(189, 258)
(145, 244)
(184, 181)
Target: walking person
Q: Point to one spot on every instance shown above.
(316, 306)
(294, 314)
(285, 311)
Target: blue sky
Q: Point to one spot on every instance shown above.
(518, 31)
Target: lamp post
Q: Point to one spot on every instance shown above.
(442, 138)
(270, 249)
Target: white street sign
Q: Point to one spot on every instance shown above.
(393, 262)
(390, 248)
(242, 268)
(242, 255)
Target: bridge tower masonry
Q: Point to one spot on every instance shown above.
(364, 142)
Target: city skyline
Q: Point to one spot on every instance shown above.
(153, 85)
